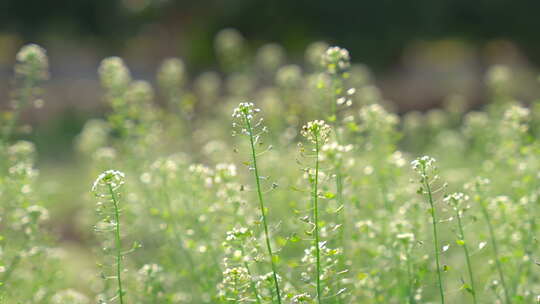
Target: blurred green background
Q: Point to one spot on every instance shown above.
(420, 51)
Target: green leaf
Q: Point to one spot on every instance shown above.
(467, 287)
(362, 275)
(329, 195)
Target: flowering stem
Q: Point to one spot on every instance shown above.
(467, 256)
(487, 218)
(316, 218)
(118, 244)
(435, 236)
(339, 178)
(261, 206)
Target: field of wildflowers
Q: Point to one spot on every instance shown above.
(273, 182)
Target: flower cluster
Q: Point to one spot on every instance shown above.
(236, 285)
(114, 74)
(230, 48)
(314, 52)
(289, 76)
(244, 116)
(375, 117)
(333, 150)
(245, 110)
(316, 131)
(456, 200)
(270, 56)
(516, 118)
(346, 99)
(93, 136)
(110, 178)
(171, 74)
(229, 41)
(498, 75)
(336, 60)
(423, 164)
(32, 63)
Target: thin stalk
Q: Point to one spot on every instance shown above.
(262, 208)
(409, 277)
(118, 245)
(435, 236)
(487, 218)
(316, 218)
(339, 184)
(467, 256)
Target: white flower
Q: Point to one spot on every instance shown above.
(336, 60)
(456, 197)
(423, 164)
(113, 178)
(114, 74)
(316, 131)
(32, 62)
(245, 109)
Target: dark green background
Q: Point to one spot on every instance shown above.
(374, 31)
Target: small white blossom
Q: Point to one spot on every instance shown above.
(113, 178)
(316, 131)
(336, 60)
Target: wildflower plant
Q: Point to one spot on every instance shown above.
(247, 124)
(23, 241)
(478, 186)
(133, 114)
(317, 134)
(31, 70)
(172, 78)
(230, 49)
(239, 284)
(336, 63)
(107, 188)
(426, 169)
(458, 202)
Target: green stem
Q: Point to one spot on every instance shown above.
(409, 277)
(435, 236)
(262, 208)
(487, 218)
(316, 218)
(339, 181)
(118, 244)
(467, 256)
